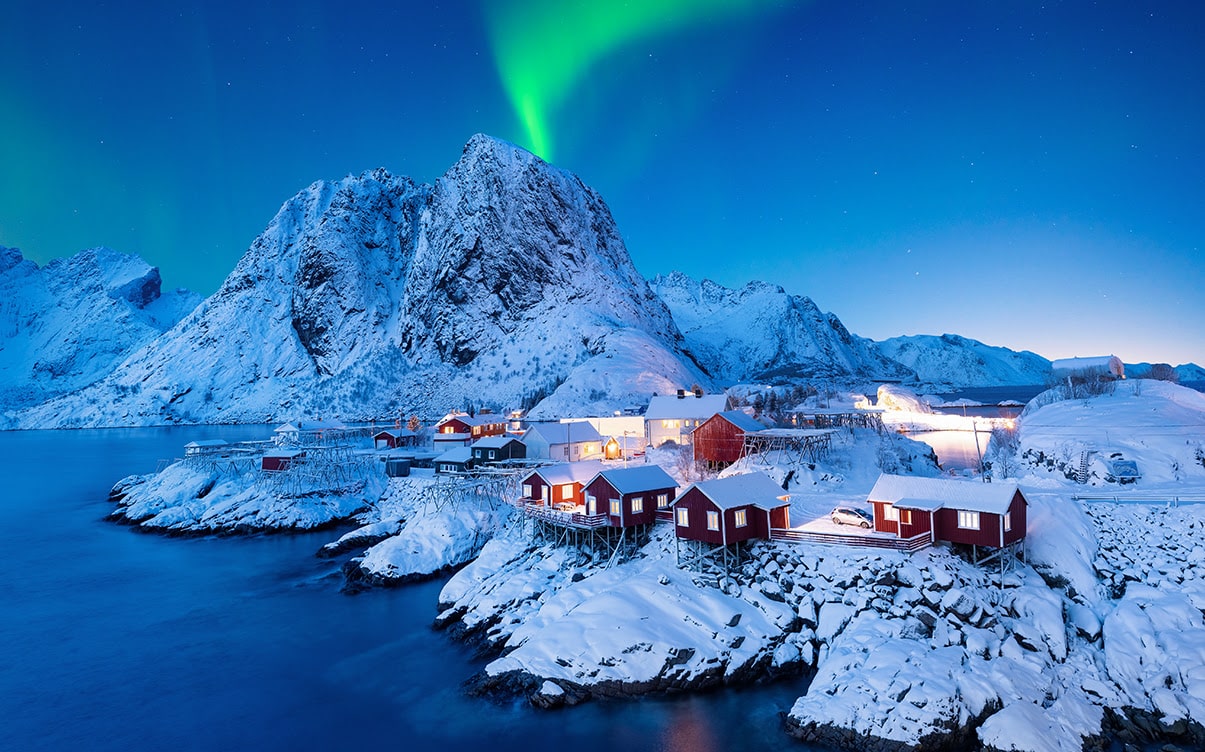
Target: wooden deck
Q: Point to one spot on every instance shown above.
(914, 543)
(538, 511)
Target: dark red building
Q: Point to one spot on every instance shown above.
(474, 426)
(394, 438)
(281, 459)
(561, 486)
(631, 496)
(993, 515)
(720, 440)
(731, 510)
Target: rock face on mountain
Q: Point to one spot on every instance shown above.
(759, 332)
(960, 362)
(68, 324)
(505, 282)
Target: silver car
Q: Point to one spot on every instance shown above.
(852, 516)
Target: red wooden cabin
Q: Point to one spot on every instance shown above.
(561, 486)
(720, 439)
(394, 438)
(280, 459)
(731, 510)
(956, 511)
(630, 496)
(475, 426)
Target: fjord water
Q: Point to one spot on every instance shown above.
(114, 639)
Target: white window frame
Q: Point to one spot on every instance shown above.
(637, 504)
(968, 520)
(493, 454)
(683, 517)
(662, 501)
(713, 520)
(566, 491)
(742, 517)
(1008, 522)
(616, 508)
(890, 513)
(527, 491)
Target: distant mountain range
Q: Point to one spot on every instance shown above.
(504, 284)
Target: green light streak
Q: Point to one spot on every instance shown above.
(544, 48)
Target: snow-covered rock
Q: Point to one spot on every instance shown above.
(956, 361)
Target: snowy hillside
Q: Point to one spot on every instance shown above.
(955, 361)
(505, 281)
(759, 332)
(67, 324)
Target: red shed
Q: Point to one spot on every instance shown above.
(632, 495)
(281, 459)
(562, 485)
(957, 511)
(474, 426)
(394, 438)
(720, 439)
(731, 510)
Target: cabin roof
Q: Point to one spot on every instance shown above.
(474, 420)
(742, 420)
(570, 472)
(494, 442)
(756, 489)
(309, 425)
(207, 443)
(284, 454)
(641, 478)
(690, 407)
(456, 454)
(971, 496)
(396, 433)
(560, 433)
(1078, 364)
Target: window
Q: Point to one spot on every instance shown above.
(567, 491)
(906, 516)
(890, 513)
(637, 504)
(662, 501)
(615, 510)
(968, 520)
(1008, 521)
(683, 517)
(741, 518)
(527, 491)
(713, 520)
(492, 454)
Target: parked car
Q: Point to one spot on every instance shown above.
(852, 516)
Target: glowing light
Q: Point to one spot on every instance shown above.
(543, 48)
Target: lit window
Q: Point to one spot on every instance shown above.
(567, 491)
(637, 504)
(741, 518)
(1008, 521)
(906, 516)
(662, 501)
(527, 491)
(683, 517)
(968, 520)
(891, 514)
(713, 520)
(615, 510)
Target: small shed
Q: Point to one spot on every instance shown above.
(397, 467)
(560, 485)
(476, 426)
(394, 438)
(720, 440)
(498, 449)
(206, 447)
(456, 460)
(731, 510)
(630, 496)
(281, 459)
(955, 511)
(1104, 367)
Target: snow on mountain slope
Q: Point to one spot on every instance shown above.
(960, 362)
(504, 281)
(67, 324)
(760, 332)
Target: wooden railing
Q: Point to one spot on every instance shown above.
(565, 519)
(914, 543)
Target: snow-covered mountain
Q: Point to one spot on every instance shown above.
(760, 332)
(504, 282)
(960, 362)
(67, 324)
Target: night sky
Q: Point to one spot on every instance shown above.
(1027, 174)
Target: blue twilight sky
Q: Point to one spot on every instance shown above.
(1028, 174)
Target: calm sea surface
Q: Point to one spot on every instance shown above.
(115, 640)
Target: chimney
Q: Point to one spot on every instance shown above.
(681, 394)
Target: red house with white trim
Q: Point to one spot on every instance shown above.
(474, 426)
(731, 510)
(993, 515)
(631, 495)
(561, 486)
(720, 440)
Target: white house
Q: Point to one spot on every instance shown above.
(674, 417)
(1107, 366)
(569, 442)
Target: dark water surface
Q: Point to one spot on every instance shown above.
(112, 639)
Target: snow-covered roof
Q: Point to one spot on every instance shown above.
(494, 442)
(285, 453)
(396, 433)
(1106, 362)
(207, 443)
(741, 420)
(690, 407)
(738, 490)
(640, 478)
(309, 425)
(456, 454)
(474, 420)
(560, 433)
(570, 472)
(971, 496)
(451, 436)
(923, 505)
